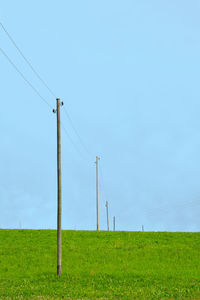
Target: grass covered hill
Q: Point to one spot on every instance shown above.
(99, 265)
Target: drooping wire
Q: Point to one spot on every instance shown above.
(27, 61)
(36, 91)
(102, 184)
(168, 209)
(71, 140)
(76, 132)
(25, 79)
(45, 84)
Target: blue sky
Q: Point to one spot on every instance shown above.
(128, 73)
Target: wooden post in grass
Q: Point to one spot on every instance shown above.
(59, 245)
(113, 223)
(107, 215)
(97, 188)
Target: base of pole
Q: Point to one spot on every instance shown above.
(59, 270)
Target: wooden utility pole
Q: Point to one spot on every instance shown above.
(59, 241)
(97, 187)
(113, 223)
(107, 216)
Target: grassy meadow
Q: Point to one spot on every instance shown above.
(99, 265)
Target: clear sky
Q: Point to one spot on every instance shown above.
(128, 73)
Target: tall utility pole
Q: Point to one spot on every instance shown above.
(59, 241)
(107, 215)
(113, 223)
(97, 186)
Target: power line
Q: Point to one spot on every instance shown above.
(27, 61)
(76, 132)
(103, 186)
(173, 206)
(36, 91)
(71, 140)
(45, 84)
(26, 80)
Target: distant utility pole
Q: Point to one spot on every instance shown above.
(59, 245)
(107, 216)
(113, 223)
(142, 227)
(97, 187)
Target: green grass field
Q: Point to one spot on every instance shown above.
(104, 265)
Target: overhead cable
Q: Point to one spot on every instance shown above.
(76, 132)
(71, 140)
(27, 61)
(103, 186)
(25, 79)
(45, 84)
